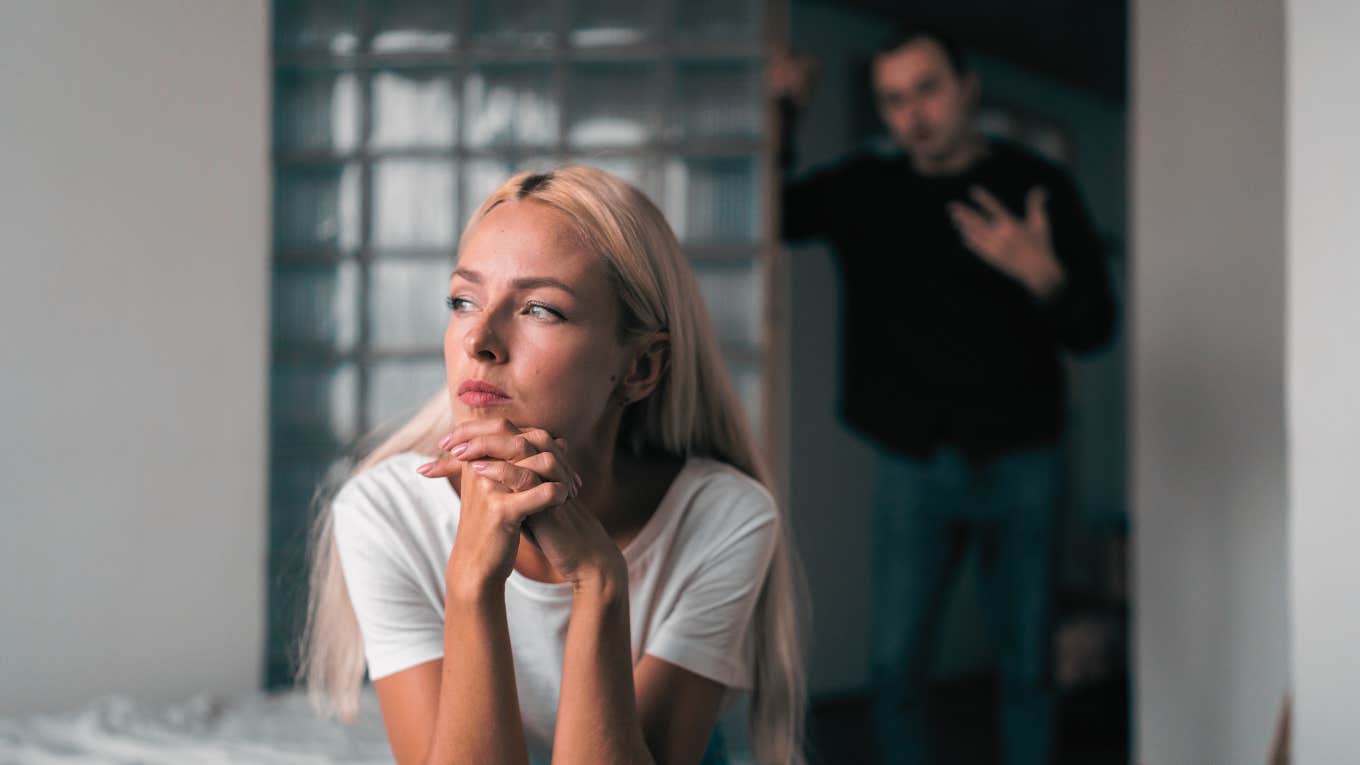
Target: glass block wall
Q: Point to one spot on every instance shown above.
(394, 119)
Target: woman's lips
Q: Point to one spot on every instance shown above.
(478, 393)
(482, 398)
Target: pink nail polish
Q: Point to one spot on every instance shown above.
(459, 449)
(446, 442)
(480, 467)
(425, 469)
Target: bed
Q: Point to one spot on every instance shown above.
(275, 729)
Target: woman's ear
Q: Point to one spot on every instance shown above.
(648, 368)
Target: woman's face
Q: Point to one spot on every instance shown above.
(533, 326)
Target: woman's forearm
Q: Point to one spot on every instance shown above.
(478, 718)
(597, 719)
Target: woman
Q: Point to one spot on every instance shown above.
(588, 414)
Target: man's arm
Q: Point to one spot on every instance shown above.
(809, 205)
(1081, 311)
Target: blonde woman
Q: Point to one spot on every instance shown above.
(569, 555)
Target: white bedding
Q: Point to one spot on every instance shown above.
(261, 730)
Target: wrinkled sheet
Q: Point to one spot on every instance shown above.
(278, 729)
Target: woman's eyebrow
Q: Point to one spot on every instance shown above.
(522, 283)
(468, 274)
(531, 282)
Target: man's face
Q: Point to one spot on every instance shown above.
(924, 102)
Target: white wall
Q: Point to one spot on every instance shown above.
(1208, 478)
(1324, 376)
(133, 348)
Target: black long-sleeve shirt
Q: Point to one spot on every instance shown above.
(940, 347)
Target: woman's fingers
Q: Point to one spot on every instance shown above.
(511, 476)
(468, 429)
(527, 473)
(441, 468)
(452, 464)
(516, 507)
(499, 439)
(548, 467)
(511, 447)
(545, 443)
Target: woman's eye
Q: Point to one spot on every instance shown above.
(539, 311)
(456, 303)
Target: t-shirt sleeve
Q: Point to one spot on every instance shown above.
(401, 627)
(709, 631)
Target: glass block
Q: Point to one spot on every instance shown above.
(483, 175)
(412, 25)
(316, 206)
(639, 171)
(295, 482)
(397, 388)
(316, 305)
(316, 109)
(319, 25)
(413, 203)
(406, 303)
(514, 23)
(613, 105)
(718, 19)
(412, 107)
(734, 295)
(294, 485)
(718, 100)
(510, 104)
(712, 199)
(313, 407)
(613, 22)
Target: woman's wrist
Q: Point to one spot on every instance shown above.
(605, 582)
(470, 587)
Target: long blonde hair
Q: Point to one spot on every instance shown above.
(694, 411)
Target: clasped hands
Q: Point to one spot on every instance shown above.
(517, 479)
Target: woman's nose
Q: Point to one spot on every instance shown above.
(481, 342)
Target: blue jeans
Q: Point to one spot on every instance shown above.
(716, 752)
(926, 513)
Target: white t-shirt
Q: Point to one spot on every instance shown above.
(695, 571)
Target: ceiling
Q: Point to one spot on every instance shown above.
(1080, 42)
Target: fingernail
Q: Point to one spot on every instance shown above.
(480, 467)
(425, 469)
(446, 442)
(459, 449)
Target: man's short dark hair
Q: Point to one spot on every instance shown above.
(902, 35)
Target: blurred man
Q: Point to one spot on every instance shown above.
(968, 265)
